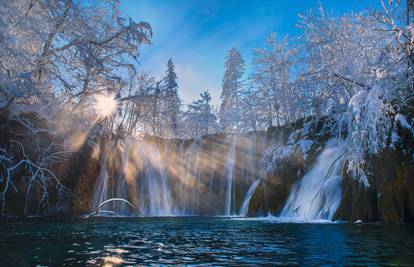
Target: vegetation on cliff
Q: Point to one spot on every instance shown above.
(71, 93)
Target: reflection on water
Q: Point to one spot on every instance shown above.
(201, 241)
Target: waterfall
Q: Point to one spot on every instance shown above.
(318, 194)
(122, 191)
(163, 177)
(188, 174)
(245, 206)
(230, 164)
(106, 186)
(208, 177)
(155, 196)
(101, 185)
(180, 209)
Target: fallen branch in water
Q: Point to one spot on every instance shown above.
(98, 209)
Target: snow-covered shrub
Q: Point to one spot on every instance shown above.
(370, 126)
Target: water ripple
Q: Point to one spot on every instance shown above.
(202, 241)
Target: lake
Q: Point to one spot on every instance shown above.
(201, 241)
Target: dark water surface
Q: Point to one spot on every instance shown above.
(201, 241)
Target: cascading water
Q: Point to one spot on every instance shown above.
(175, 178)
(108, 186)
(101, 186)
(121, 188)
(214, 176)
(188, 171)
(245, 206)
(154, 197)
(318, 194)
(155, 193)
(230, 164)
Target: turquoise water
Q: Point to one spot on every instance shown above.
(201, 241)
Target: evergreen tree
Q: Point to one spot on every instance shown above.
(172, 100)
(200, 119)
(230, 109)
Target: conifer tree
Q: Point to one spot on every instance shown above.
(230, 109)
(172, 100)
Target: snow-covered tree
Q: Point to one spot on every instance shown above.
(68, 48)
(172, 101)
(230, 109)
(272, 78)
(251, 106)
(140, 106)
(55, 57)
(343, 55)
(199, 119)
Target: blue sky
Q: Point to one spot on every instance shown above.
(197, 34)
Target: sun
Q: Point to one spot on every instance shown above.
(105, 105)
